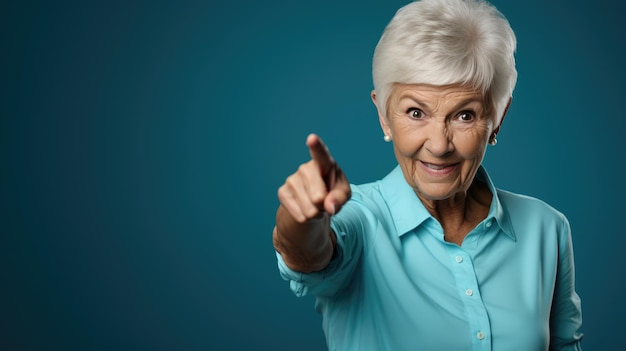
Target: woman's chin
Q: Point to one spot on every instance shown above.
(426, 193)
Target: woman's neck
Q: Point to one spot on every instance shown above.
(461, 213)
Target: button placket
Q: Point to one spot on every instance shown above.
(467, 283)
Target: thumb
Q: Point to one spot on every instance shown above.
(338, 194)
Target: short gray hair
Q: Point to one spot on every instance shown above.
(443, 42)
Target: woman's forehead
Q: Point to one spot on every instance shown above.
(428, 91)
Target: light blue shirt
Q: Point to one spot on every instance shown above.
(395, 284)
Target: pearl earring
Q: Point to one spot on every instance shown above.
(387, 138)
(493, 141)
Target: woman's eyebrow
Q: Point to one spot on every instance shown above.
(470, 100)
(473, 99)
(413, 99)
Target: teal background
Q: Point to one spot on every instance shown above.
(142, 144)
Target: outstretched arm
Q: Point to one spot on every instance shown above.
(316, 191)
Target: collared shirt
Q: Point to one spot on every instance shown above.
(396, 284)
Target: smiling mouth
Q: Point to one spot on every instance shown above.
(439, 169)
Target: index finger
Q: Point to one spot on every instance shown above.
(319, 152)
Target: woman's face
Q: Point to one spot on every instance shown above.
(439, 135)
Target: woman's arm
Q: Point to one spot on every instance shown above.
(566, 316)
(308, 198)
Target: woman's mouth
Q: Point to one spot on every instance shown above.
(438, 169)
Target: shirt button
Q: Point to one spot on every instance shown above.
(489, 223)
(469, 292)
(480, 335)
(458, 259)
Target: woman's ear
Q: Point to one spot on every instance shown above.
(506, 109)
(381, 116)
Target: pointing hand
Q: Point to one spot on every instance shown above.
(317, 187)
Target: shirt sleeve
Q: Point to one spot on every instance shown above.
(348, 229)
(566, 314)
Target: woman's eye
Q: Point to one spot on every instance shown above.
(466, 116)
(416, 113)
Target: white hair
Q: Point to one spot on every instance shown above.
(443, 42)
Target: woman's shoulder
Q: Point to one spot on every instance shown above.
(379, 190)
(366, 189)
(368, 195)
(525, 205)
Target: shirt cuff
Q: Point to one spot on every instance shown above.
(316, 283)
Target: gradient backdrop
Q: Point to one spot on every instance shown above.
(142, 144)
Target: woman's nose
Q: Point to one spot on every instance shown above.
(438, 140)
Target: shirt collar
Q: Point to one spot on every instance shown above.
(406, 208)
(496, 211)
(408, 212)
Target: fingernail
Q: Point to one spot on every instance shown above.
(332, 209)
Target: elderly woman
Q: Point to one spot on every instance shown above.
(433, 256)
